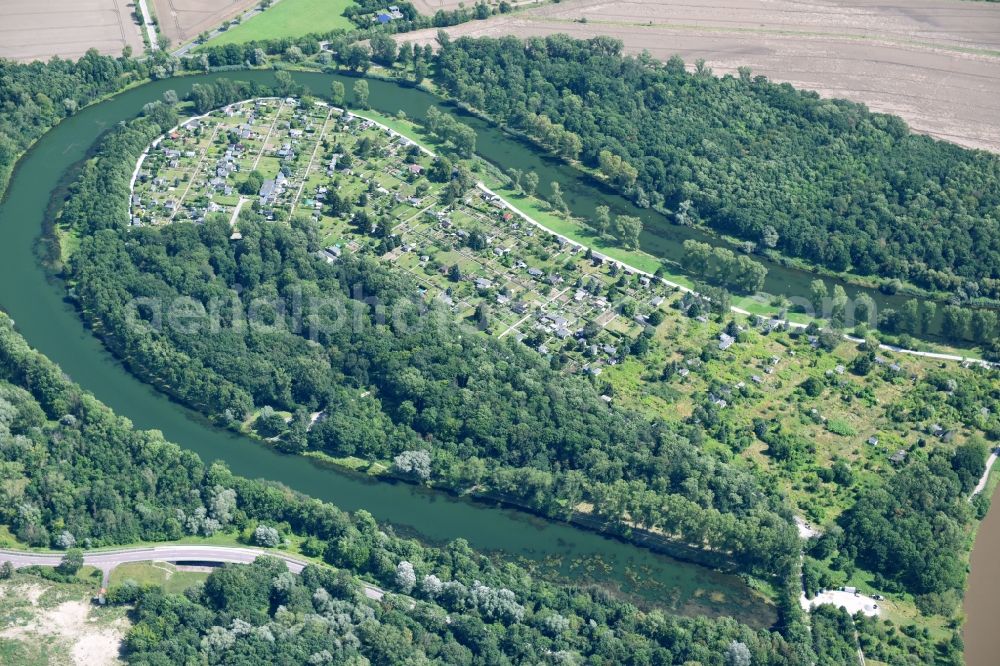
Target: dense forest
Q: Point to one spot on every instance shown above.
(824, 180)
(489, 414)
(35, 96)
(262, 614)
(75, 474)
(910, 531)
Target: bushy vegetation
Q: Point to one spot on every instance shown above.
(833, 636)
(261, 613)
(912, 530)
(906, 645)
(824, 180)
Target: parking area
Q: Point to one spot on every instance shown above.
(853, 602)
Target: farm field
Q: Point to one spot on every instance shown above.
(935, 63)
(429, 7)
(67, 28)
(289, 18)
(182, 20)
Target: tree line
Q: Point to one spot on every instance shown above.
(35, 96)
(722, 266)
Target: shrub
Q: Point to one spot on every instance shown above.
(840, 427)
(71, 562)
(266, 536)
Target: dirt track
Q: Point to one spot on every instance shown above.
(66, 28)
(936, 63)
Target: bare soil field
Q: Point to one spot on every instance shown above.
(41, 29)
(428, 7)
(182, 20)
(45, 623)
(936, 63)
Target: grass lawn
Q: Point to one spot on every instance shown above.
(161, 574)
(7, 538)
(288, 18)
(373, 468)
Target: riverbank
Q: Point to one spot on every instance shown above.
(981, 603)
(53, 327)
(68, 347)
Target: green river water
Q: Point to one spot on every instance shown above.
(36, 303)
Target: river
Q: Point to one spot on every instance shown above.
(36, 303)
(982, 598)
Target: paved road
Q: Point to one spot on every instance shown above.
(106, 560)
(147, 21)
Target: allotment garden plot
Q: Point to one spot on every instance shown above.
(510, 278)
(368, 189)
(276, 156)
